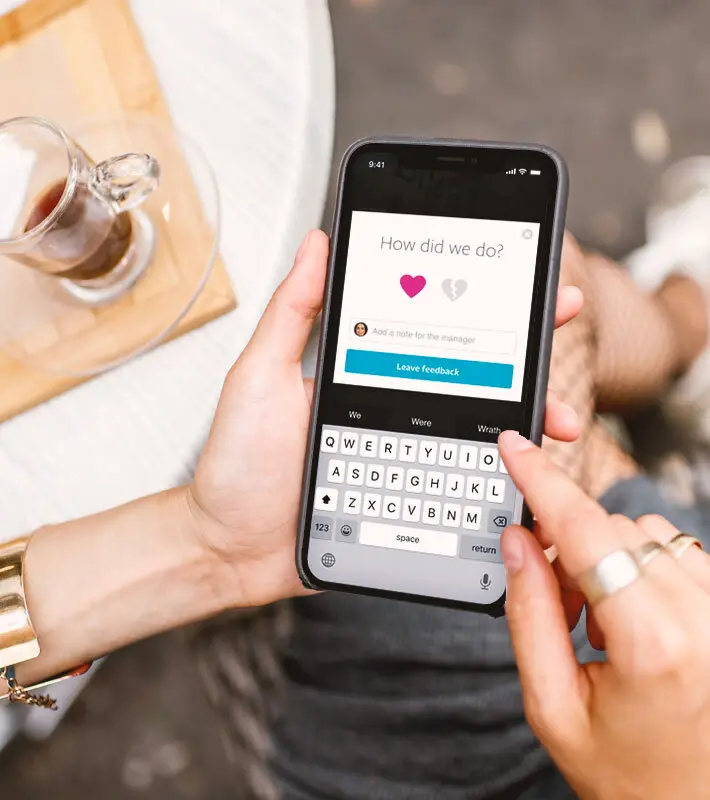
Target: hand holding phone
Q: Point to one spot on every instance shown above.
(436, 336)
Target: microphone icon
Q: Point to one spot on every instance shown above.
(485, 581)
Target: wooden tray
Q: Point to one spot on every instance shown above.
(77, 59)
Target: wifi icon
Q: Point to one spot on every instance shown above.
(522, 171)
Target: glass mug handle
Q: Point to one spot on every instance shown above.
(124, 182)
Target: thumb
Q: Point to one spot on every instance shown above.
(550, 675)
(286, 324)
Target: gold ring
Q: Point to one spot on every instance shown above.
(612, 574)
(680, 543)
(645, 554)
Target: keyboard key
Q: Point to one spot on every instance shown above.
(336, 471)
(489, 459)
(380, 484)
(352, 502)
(496, 490)
(411, 509)
(395, 479)
(356, 473)
(388, 448)
(434, 483)
(468, 456)
(397, 537)
(329, 441)
(415, 481)
(408, 450)
(447, 455)
(451, 516)
(372, 505)
(498, 520)
(475, 487)
(368, 445)
(375, 476)
(427, 452)
(391, 507)
(431, 512)
(454, 485)
(321, 527)
(346, 530)
(480, 548)
(472, 517)
(348, 443)
(326, 498)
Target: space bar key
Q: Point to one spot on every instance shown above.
(397, 537)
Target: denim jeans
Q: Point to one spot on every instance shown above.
(395, 701)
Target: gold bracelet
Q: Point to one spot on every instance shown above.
(18, 641)
(20, 694)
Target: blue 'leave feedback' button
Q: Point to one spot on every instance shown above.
(429, 368)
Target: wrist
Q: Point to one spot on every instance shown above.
(215, 543)
(98, 583)
(246, 573)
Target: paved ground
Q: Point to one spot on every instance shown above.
(585, 77)
(618, 88)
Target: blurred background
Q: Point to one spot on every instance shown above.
(620, 89)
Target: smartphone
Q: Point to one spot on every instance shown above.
(436, 336)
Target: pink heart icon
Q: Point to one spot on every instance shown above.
(412, 284)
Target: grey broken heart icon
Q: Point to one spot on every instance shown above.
(454, 289)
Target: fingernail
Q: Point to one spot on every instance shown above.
(511, 549)
(513, 442)
(303, 247)
(578, 290)
(569, 412)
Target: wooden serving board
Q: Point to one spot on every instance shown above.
(69, 60)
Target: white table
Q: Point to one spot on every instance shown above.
(253, 82)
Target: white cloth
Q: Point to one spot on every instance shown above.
(253, 83)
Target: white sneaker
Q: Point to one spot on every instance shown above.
(678, 242)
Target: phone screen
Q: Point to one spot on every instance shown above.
(432, 340)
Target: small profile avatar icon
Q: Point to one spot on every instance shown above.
(360, 329)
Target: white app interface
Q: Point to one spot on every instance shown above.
(437, 304)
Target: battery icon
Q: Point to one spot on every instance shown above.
(534, 171)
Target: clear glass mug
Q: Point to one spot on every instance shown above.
(67, 217)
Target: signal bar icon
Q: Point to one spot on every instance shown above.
(510, 172)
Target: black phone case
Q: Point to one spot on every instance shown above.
(496, 609)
